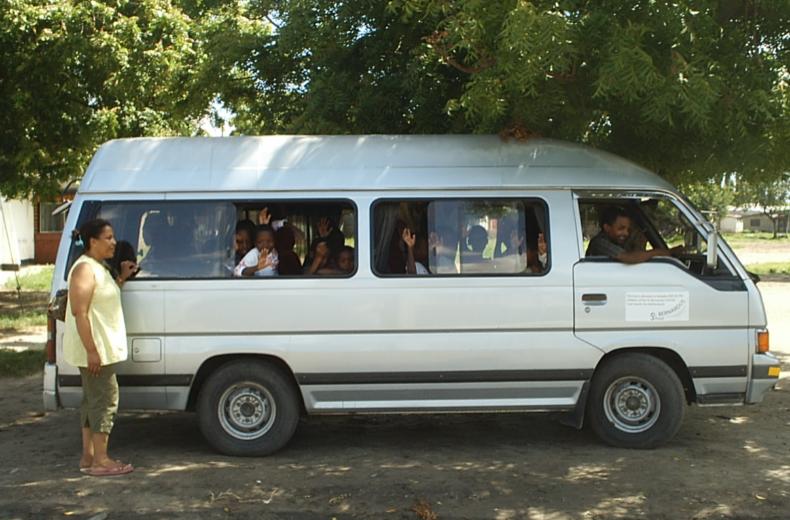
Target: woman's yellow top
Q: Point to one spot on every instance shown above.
(105, 316)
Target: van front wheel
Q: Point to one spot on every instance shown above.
(635, 401)
(248, 409)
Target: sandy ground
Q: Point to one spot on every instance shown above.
(731, 463)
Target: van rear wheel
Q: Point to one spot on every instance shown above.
(248, 409)
(635, 401)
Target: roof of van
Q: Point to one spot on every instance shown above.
(355, 163)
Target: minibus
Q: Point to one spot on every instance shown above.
(416, 274)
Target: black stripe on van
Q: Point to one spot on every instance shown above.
(135, 380)
(472, 376)
(725, 371)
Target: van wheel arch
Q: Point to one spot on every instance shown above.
(210, 365)
(248, 408)
(671, 358)
(577, 418)
(635, 400)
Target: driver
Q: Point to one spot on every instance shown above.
(615, 222)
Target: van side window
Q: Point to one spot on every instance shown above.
(460, 237)
(312, 238)
(199, 239)
(175, 239)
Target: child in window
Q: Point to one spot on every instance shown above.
(417, 253)
(263, 260)
(345, 260)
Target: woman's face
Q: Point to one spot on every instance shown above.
(103, 246)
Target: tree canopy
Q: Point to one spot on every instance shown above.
(694, 90)
(74, 74)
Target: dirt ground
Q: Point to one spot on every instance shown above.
(730, 462)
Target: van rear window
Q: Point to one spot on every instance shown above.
(235, 239)
(459, 237)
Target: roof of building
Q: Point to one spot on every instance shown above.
(355, 163)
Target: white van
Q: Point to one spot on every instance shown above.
(486, 324)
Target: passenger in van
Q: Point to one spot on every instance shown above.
(242, 241)
(244, 238)
(317, 259)
(156, 233)
(284, 242)
(345, 260)
(541, 255)
(416, 253)
(615, 222)
(333, 241)
(537, 257)
(263, 259)
(264, 217)
(444, 248)
(325, 263)
(472, 260)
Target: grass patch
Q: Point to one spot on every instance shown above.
(38, 280)
(21, 364)
(769, 268)
(26, 320)
(738, 240)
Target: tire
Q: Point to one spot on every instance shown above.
(635, 401)
(248, 408)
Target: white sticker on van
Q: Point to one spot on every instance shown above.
(657, 306)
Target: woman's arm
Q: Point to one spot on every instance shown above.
(128, 268)
(83, 282)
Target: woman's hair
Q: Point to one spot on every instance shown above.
(92, 229)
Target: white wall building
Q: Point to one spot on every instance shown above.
(17, 238)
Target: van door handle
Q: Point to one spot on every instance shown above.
(594, 299)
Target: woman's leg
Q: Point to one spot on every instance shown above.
(87, 435)
(87, 448)
(100, 458)
(103, 397)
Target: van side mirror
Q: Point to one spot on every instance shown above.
(713, 249)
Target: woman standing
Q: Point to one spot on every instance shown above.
(95, 340)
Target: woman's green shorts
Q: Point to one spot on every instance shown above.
(99, 399)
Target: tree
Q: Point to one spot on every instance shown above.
(76, 73)
(691, 90)
(770, 197)
(337, 68)
(713, 197)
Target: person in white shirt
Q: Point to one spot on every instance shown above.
(263, 259)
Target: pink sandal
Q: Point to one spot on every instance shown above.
(119, 468)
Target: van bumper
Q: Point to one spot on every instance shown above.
(50, 393)
(765, 374)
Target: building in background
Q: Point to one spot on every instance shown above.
(752, 219)
(17, 241)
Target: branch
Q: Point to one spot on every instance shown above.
(434, 40)
(519, 131)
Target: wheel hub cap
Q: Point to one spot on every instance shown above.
(246, 411)
(632, 404)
